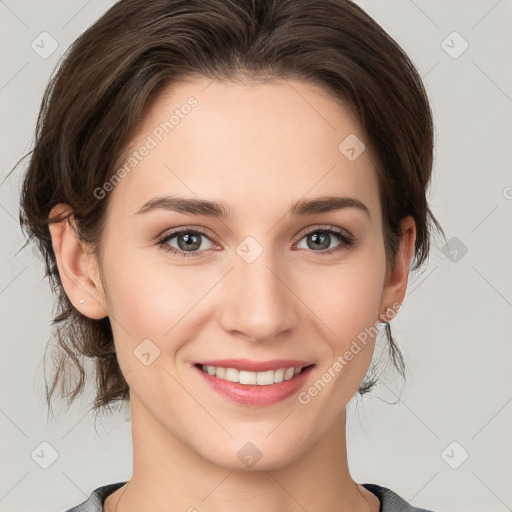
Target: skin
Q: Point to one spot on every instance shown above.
(259, 148)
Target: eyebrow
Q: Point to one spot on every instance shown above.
(216, 209)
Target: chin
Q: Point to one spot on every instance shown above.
(258, 454)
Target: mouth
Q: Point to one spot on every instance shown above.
(253, 378)
(255, 388)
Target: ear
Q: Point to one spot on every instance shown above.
(78, 268)
(397, 275)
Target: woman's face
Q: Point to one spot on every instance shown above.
(261, 283)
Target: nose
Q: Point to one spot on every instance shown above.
(259, 302)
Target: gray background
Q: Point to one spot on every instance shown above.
(454, 329)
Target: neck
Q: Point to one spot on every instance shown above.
(168, 476)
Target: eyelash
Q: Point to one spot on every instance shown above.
(347, 241)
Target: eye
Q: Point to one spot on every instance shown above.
(320, 239)
(189, 241)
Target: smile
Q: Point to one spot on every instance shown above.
(265, 378)
(255, 388)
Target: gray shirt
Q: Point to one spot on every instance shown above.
(389, 500)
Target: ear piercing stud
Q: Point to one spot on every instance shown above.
(82, 301)
(385, 315)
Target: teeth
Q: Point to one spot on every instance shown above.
(279, 375)
(253, 378)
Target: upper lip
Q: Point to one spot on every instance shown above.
(256, 366)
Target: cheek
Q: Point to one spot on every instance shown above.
(133, 298)
(147, 297)
(347, 305)
(351, 315)
(151, 299)
(345, 297)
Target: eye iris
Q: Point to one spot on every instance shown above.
(319, 240)
(191, 241)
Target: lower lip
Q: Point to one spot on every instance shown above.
(254, 395)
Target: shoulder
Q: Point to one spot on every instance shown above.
(95, 501)
(390, 501)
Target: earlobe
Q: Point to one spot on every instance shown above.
(397, 276)
(81, 284)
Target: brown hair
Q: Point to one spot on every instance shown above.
(110, 75)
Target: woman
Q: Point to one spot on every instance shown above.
(230, 196)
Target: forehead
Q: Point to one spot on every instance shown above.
(250, 145)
